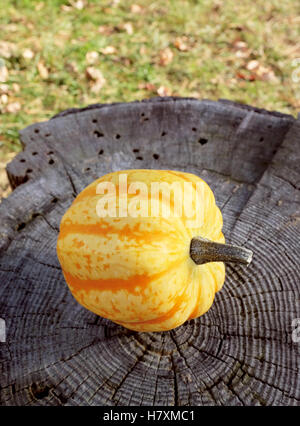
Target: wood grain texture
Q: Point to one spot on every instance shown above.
(241, 352)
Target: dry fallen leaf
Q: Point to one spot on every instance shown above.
(216, 6)
(29, 25)
(106, 30)
(43, 71)
(241, 49)
(261, 72)
(97, 79)
(3, 73)
(97, 86)
(71, 67)
(93, 73)
(214, 80)
(239, 45)
(143, 50)
(66, 8)
(252, 65)
(108, 50)
(108, 10)
(28, 54)
(266, 74)
(238, 28)
(180, 44)
(136, 8)
(4, 99)
(147, 86)
(124, 61)
(247, 77)
(294, 102)
(7, 49)
(16, 87)
(164, 91)
(92, 57)
(79, 4)
(165, 56)
(4, 88)
(196, 95)
(128, 28)
(13, 107)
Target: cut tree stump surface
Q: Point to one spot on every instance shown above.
(241, 352)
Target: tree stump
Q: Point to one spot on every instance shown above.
(242, 351)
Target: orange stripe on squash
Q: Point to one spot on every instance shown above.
(100, 229)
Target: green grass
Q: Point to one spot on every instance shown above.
(209, 68)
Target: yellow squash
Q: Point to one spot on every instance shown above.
(149, 272)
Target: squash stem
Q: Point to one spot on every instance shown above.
(203, 251)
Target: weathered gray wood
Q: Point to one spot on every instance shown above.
(241, 352)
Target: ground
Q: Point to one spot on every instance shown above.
(57, 54)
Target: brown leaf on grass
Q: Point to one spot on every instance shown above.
(97, 86)
(106, 29)
(239, 44)
(12, 28)
(238, 28)
(294, 102)
(143, 50)
(165, 56)
(4, 88)
(196, 95)
(16, 87)
(108, 50)
(214, 80)
(261, 72)
(92, 57)
(136, 8)
(3, 99)
(3, 73)
(293, 50)
(108, 10)
(7, 49)
(13, 107)
(29, 25)
(123, 60)
(246, 76)
(266, 74)
(65, 8)
(43, 71)
(128, 27)
(71, 67)
(181, 44)
(147, 86)
(97, 79)
(93, 73)
(27, 54)
(164, 91)
(241, 49)
(78, 4)
(252, 65)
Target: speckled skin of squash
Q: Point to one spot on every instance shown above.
(137, 271)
